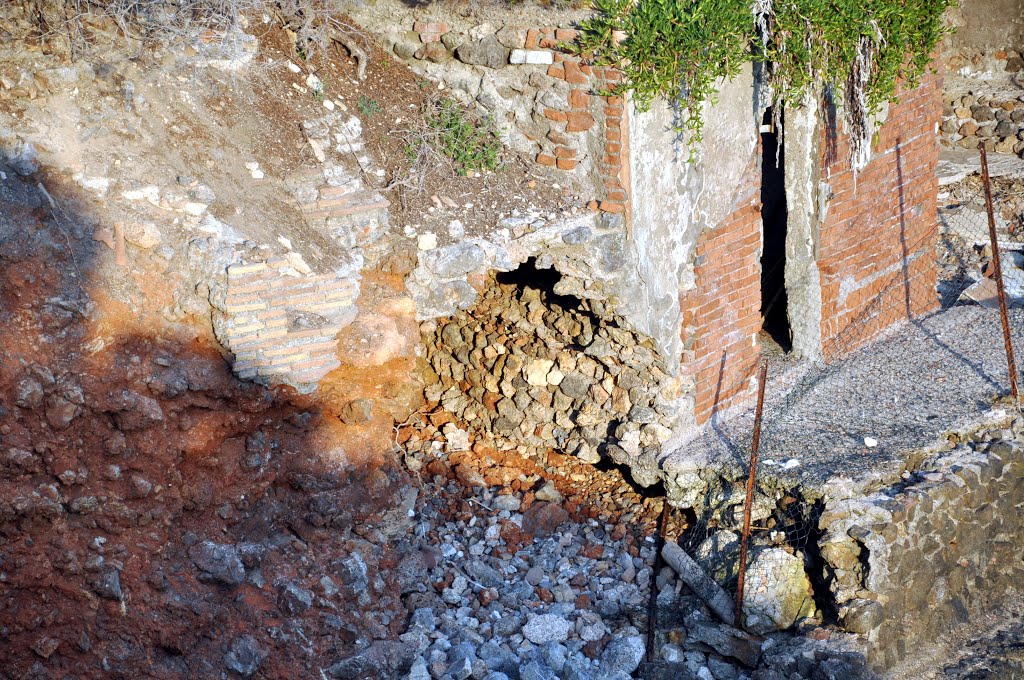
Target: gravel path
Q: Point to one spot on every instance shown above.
(864, 416)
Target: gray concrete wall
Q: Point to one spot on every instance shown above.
(803, 281)
(674, 200)
(987, 25)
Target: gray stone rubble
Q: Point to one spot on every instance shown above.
(526, 366)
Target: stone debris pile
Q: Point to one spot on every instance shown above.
(501, 584)
(526, 366)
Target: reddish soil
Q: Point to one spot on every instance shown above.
(117, 461)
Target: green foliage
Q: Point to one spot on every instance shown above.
(680, 49)
(368, 107)
(470, 143)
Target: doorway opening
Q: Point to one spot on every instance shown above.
(774, 216)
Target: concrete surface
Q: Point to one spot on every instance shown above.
(957, 164)
(673, 201)
(987, 25)
(922, 380)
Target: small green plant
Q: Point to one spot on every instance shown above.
(470, 142)
(368, 107)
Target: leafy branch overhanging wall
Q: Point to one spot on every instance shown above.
(859, 51)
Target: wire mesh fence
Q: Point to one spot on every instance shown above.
(931, 345)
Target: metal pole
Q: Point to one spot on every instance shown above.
(1007, 338)
(652, 604)
(748, 504)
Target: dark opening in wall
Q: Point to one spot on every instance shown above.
(528, 275)
(774, 215)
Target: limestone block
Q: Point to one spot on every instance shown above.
(531, 57)
(777, 591)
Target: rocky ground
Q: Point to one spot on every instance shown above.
(162, 518)
(998, 654)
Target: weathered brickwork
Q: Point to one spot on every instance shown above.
(576, 124)
(722, 314)
(877, 259)
(283, 324)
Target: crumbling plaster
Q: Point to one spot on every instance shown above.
(675, 200)
(803, 137)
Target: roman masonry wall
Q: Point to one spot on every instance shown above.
(909, 562)
(878, 233)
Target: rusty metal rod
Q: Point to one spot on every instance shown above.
(755, 444)
(1007, 338)
(652, 605)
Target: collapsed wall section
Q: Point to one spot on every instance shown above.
(526, 366)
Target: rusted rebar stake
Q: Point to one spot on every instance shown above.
(652, 605)
(749, 502)
(996, 261)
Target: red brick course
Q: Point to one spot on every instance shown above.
(876, 256)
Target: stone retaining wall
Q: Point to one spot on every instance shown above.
(998, 121)
(908, 563)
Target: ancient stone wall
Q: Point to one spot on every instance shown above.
(673, 244)
(909, 562)
(997, 120)
(985, 26)
(549, 104)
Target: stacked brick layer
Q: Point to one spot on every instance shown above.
(267, 302)
(722, 314)
(877, 256)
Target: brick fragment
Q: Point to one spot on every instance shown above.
(557, 116)
(430, 27)
(578, 121)
(556, 72)
(565, 152)
(573, 74)
(567, 164)
(546, 160)
(578, 99)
